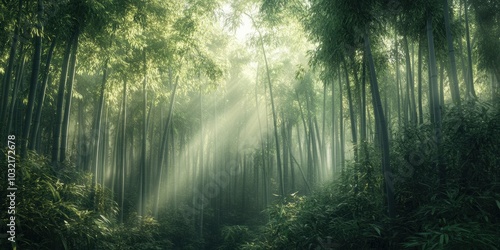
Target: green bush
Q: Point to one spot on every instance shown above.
(54, 211)
(234, 236)
(62, 210)
(325, 219)
(139, 234)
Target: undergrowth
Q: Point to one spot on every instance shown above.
(62, 210)
(350, 214)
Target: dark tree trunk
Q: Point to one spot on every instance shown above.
(35, 69)
(420, 108)
(411, 84)
(341, 120)
(275, 123)
(323, 135)
(441, 86)
(380, 120)
(436, 111)
(10, 67)
(285, 153)
(470, 76)
(41, 97)
(354, 133)
(69, 96)
(96, 137)
(289, 154)
(334, 133)
(97, 126)
(14, 102)
(362, 126)
(398, 80)
(455, 92)
(123, 153)
(56, 138)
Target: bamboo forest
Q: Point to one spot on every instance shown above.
(249, 124)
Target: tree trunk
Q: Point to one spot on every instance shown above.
(105, 138)
(56, 136)
(201, 164)
(380, 120)
(285, 153)
(311, 143)
(164, 145)
(96, 134)
(354, 133)
(420, 108)
(35, 69)
(341, 120)
(333, 133)
(12, 115)
(321, 161)
(411, 84)
(123, 152)
(455, 92)
(462, 59)
(142, 211)
(441, 86)
(306, 136)
(494, 88)
(323, 135)
(97, 127)
(398, 80)
(470, 76)
(275, 123)
(289, 153)
(263, 146)
(41, 97)
(436, 112)
(10, 67)
(430, 94)
(362, 127)
(69, 96)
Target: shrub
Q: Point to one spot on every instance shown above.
(52, 210)
(349, 213)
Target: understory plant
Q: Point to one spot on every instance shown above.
(349, 213)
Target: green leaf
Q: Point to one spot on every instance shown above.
(376, 229)
(63, 241)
